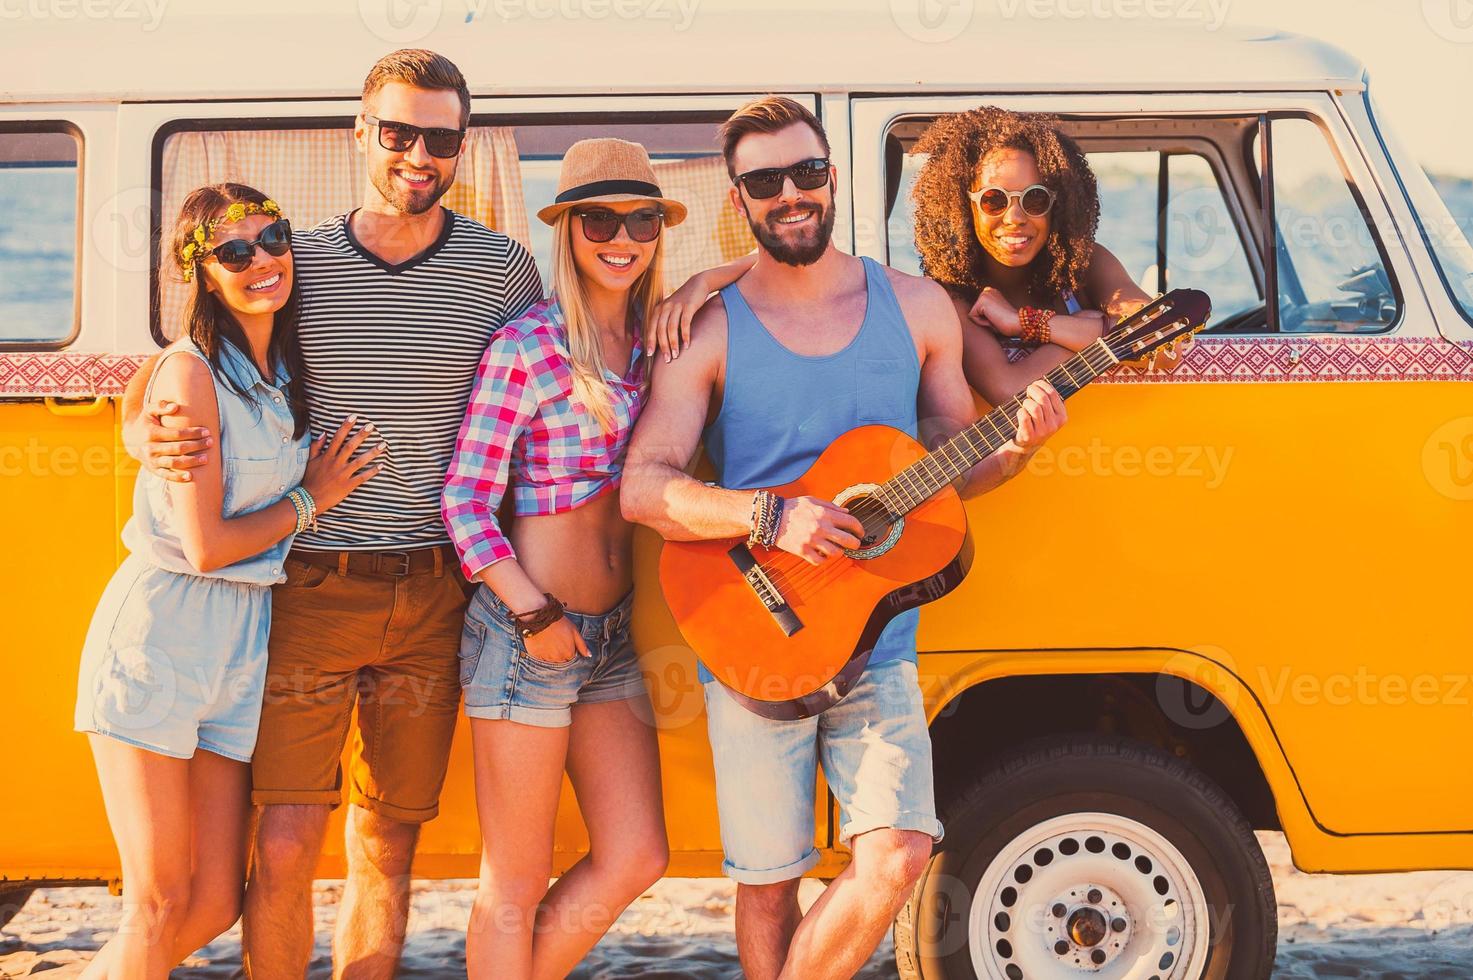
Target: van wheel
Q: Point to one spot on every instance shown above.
(12, 900)
(1084, 857)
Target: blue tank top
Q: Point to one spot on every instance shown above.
(262, 460)
(780, 410)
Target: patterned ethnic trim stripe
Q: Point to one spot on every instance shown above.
(1320, 357)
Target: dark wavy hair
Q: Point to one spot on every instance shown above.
(208, 320)
(945, 237)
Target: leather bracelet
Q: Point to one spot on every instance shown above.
(534, 622)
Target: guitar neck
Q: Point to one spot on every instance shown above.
(921, 480)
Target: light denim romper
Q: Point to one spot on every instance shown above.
(175, 659)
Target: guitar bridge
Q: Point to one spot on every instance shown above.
(767, 593)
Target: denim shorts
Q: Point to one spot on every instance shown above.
(502, 681)
(876, 754)
(173, 662)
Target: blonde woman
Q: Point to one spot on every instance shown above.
(550, 675)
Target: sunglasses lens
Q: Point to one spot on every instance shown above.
(764, 183)
(442, 142)
(810, 175)
(276, 238)
(643, 226)
(600, 226)
(993, 201)
(235, 254)
(396, 136)
(1037, 201)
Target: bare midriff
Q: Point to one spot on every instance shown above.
(584, 556)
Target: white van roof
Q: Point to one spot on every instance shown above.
(274, 49)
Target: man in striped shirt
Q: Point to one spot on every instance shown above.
(399, 301)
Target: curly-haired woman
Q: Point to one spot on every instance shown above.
(1006, 208)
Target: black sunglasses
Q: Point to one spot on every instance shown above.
(808, 175)
(601, 224)
(237, 254)
(399, 137)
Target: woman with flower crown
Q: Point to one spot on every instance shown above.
(174, 664)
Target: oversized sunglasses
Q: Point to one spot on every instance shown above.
(807, 175)
(601, 224)
(1036, 200)
(237, 254)
(399, 137)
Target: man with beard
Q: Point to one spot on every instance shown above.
(805, 346)
(399, 301)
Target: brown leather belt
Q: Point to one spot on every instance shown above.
(393, 563)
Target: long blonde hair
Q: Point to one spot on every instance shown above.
(590, 388)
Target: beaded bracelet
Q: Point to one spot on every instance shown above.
(1035, 325)
(765, 511)
(306, 508)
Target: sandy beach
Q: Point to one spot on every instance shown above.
(1384, 926)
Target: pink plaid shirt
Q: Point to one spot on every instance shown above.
(524, 430)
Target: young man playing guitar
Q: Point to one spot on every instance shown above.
(807, 345)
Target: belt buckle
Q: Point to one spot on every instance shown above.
(401, 556)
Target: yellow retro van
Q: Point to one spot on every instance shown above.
(1223, 599)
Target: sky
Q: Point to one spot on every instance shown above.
(1419, 54)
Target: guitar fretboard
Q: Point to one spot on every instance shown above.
(922, 479)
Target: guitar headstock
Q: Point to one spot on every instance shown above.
(1162, 324)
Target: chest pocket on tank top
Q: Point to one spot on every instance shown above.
(879, 397)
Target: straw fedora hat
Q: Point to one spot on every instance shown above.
(608, 170)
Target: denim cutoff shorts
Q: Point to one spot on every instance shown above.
(503, 681)
(875, 750)
(174, 662)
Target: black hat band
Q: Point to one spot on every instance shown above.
(598, 188)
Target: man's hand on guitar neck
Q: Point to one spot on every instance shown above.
(816, 530)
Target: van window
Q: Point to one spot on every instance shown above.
(1204, 248)
(688, 168)
(38, 236)
(506, 174)
(1331, 273)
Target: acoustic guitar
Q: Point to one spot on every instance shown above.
(788, 638)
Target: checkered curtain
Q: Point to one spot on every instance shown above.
(317, 173)
(712, 233)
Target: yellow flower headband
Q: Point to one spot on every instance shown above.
(196, 252)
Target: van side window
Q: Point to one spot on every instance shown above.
(507, 172)
(688, 168)
(38, 236)
(1331, 274)
(1202, 247)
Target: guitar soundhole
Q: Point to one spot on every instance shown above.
(882, 528)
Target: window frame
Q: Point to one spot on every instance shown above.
(496, 111)
(69, 128)
(873, 114)
(1269, 203)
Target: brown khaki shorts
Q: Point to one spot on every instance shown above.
(384, 641)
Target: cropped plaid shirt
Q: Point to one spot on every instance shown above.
(524, 430)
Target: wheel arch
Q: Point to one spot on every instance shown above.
(1186, 702)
